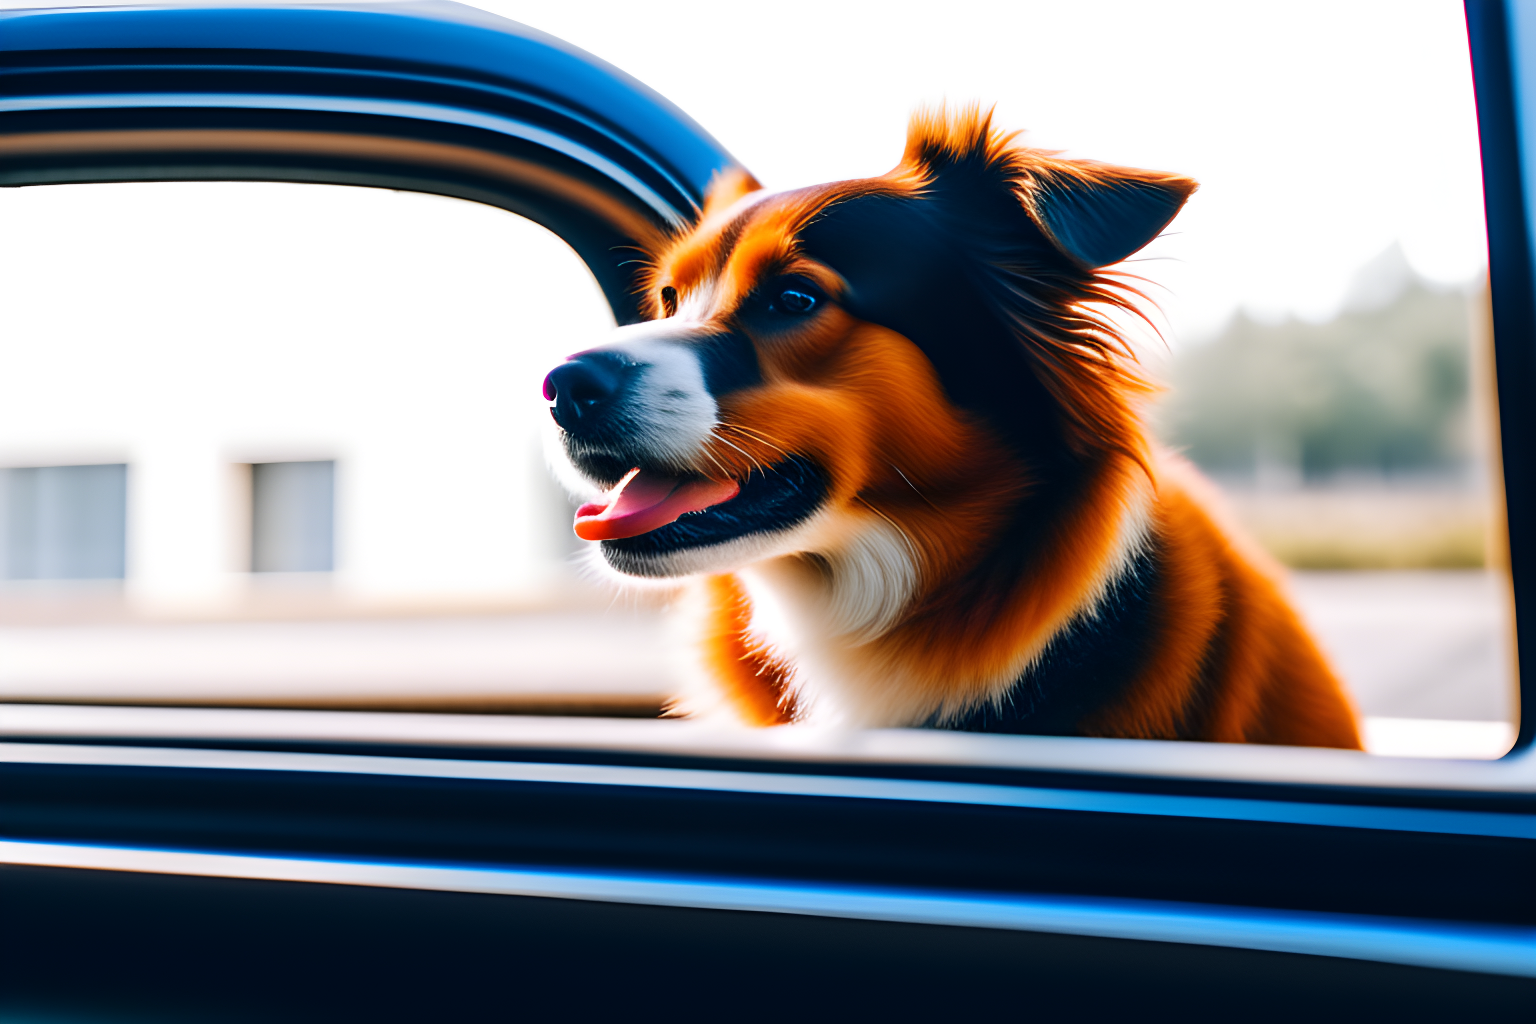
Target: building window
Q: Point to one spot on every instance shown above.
(64, 522)
(293, 516)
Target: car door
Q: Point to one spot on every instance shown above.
(180, 863)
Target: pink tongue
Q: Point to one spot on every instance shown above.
(643, 502)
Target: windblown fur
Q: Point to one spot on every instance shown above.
(889, 428)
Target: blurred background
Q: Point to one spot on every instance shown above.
(278, 445)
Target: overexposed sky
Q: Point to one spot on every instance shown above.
(1321, 132)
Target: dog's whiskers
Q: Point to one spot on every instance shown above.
(754, 435)
(718, 464)
(912, 485)
(757, 465)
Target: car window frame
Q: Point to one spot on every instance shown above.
(444, 99)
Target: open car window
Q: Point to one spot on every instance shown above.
(288, 592)
(282, 445)
(281, 448)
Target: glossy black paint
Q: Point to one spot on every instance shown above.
(167, 81)
(1511, 276)
(173, 950)
(729, 834)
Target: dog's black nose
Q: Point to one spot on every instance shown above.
(583, 389)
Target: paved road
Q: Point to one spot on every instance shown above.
(1416, 644)
(543, 662)
(1411, 645)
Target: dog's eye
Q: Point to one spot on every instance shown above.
(669, 300)
(792, 300)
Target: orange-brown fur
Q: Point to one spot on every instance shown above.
(1232, 648)
(753, 680)
(1231, 661)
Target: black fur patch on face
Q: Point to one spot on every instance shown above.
(783, 497)
(729, 362)
(904, 272)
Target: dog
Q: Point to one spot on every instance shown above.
(891, 430)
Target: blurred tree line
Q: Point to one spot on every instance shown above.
(1381, 389)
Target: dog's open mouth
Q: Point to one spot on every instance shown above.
(644, 501)
(649, 513)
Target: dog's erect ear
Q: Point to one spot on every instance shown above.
(1094, 214)
(725, 188)
(1034, 231)
(1098, 214)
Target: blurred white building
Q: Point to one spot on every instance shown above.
(214, 391)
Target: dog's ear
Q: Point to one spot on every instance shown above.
(1036, 230)
(1097, 214)
(725, 188)
(1094, 214)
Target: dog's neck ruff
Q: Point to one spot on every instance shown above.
(849, 670)
(1085, 666)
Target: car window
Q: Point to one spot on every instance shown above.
(278, 445)
(283, 445)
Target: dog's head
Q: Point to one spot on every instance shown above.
(869, 365)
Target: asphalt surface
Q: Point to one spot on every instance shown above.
(1435, 645)
(1411, 645)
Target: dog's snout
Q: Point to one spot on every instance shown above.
(584, 388)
